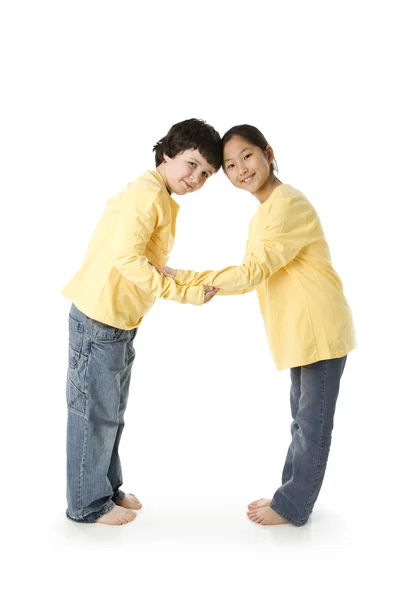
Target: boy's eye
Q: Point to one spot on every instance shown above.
(229, 166)
(192, 164)
(205, 175)
(247, 156)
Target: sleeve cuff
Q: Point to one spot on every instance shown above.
(195, 295)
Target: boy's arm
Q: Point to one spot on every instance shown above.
(137, 220)
(280, 239)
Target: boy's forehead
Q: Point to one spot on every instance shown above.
(198, 157)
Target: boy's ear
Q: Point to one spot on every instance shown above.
(166, 157)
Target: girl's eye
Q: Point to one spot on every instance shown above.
(193, 164)
(229, 166)
(205, 175)
(247, 156)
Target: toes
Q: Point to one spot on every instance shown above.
(135, 500)
(254, 503)
(252, 515)
(259, 503)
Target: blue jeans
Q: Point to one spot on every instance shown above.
(313, 396)
(100, 362)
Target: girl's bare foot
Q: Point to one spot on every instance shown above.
(266, 516)
(117, 516)
(259, 503)
(129, 501)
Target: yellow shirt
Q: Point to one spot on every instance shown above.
(287, 260)
(116, 284)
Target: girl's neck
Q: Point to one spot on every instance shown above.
(266, 190)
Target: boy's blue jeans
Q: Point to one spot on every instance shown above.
(100, 362)
(313, 396)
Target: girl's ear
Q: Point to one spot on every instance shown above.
(270, 154)
(166, 157)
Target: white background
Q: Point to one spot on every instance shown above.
(87, 89)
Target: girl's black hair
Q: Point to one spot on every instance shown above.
(185, 135)
(252, 135)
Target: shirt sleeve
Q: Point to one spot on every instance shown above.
(194, 278)
(139, 214)
(282, 231)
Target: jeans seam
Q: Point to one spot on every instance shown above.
(80, 494)
(321, 444)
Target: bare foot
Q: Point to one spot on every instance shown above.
(259, 503)
(266, 516)
(129, 501)
(117, 516)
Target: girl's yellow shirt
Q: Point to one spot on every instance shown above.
(306, 315)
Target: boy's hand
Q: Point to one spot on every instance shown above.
(209, 293)
(169, 272)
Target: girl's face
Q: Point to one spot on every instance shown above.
(246, 165)
(187, 172)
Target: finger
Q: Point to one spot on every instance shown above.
(208, 288)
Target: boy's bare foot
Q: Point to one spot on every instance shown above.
(129, 501)
(117, 516)
(259, 503)
(266, 516)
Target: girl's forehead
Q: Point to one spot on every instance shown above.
(235, 146)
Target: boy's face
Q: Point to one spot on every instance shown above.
(186, 172)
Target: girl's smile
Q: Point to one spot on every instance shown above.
(249, 167)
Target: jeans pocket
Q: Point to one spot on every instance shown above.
(104, 333)
(76, 400)
(77, 369)
(75, 334)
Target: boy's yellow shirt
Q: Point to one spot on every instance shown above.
(116, 284)
(287, 260)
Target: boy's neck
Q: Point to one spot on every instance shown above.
(161, 170)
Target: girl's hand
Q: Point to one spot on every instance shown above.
(169, 272)
(209, 293)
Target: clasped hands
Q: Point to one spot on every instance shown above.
(209, 290)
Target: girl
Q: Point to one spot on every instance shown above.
(307, 318)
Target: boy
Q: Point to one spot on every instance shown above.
(114, 288)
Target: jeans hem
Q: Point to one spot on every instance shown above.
(93, 516)
(284, 515)
(118, 495)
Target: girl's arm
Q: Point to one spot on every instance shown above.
(188, 278)
(283, 230)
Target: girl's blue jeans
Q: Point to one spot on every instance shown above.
(100, 362)
(313, 396)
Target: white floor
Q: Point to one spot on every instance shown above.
(200, 443)
(182, 548)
